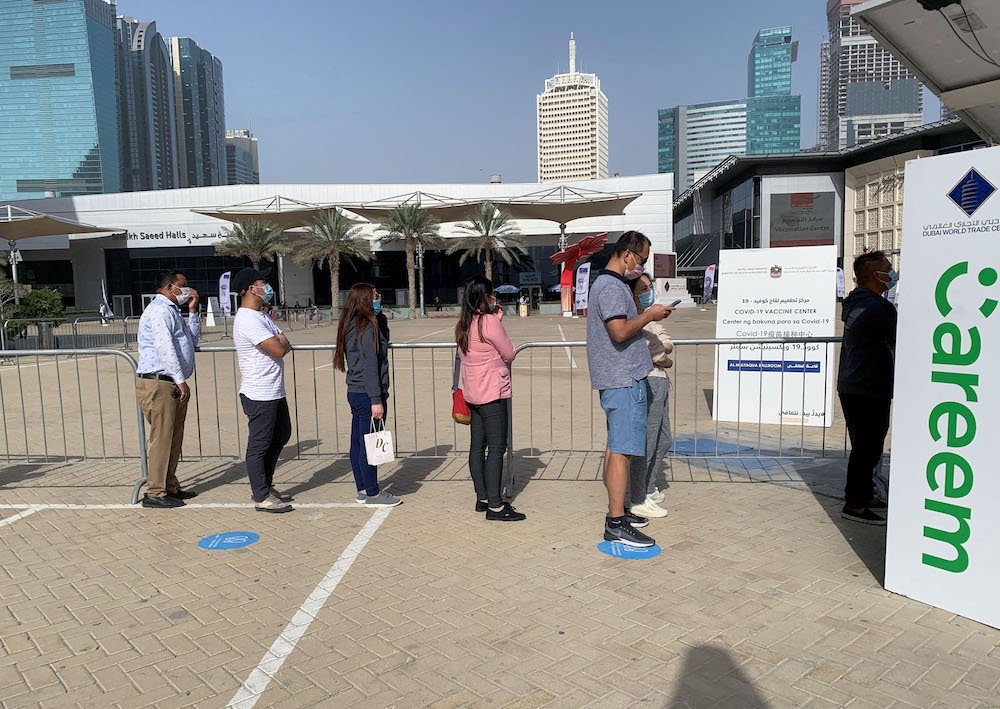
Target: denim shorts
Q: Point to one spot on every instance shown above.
(626, 409)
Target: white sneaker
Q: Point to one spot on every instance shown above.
(648, 509)
(360, 497)
(273, 504)
(656, 495)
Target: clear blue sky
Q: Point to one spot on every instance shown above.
(444, 90)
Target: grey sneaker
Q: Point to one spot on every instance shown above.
(383, 499)
(360, 497)
(273, 504)
(281, 496)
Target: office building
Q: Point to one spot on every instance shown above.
(866, 93)
(242, 165)
(200, 114)
(163, 229)
(693, 139)
(572, 126)
(146, 108)
(58, 104)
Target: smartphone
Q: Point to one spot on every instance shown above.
(675, 303)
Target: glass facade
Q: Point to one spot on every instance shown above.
(769, 66)
(736, 216)
(201, 114)
(146, 108)
(774, 124)
(59, 123)
(666, 132)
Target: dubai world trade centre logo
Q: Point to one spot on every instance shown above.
(971, 192)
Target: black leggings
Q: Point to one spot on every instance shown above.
(867, 424)
(486, 451)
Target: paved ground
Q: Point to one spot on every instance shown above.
(762, 597)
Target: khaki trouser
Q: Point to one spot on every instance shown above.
(165, 416)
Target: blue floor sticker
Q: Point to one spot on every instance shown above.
(623, 551)
(708, 446)
(228, 540)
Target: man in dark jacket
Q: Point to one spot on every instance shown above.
(865, 381)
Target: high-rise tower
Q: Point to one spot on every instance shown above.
(572, 126)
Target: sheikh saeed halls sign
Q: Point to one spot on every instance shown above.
(169, 237)
(944, 487)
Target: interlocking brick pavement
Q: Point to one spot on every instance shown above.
(762, 596)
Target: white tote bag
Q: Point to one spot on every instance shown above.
(378, 445)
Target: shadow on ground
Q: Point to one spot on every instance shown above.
(710, 677)
(521, 471)
(409, 476)
(16, 474)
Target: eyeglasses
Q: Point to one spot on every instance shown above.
(642, 261)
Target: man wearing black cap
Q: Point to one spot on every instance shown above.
(260, 350)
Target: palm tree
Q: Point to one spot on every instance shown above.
(257, 240)
(491, 232)
(411, 225)
(330, 238)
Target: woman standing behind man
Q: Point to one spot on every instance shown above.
(644, 472)
(485, 351)
(363, 352)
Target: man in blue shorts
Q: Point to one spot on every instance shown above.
(619, 362)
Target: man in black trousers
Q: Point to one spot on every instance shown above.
(865, 381)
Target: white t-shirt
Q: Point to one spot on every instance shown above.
(263, 376)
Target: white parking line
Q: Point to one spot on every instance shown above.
(569, 355)
(189, 506)
(247, 695)
(20, 515)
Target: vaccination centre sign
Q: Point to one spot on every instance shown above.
(773, 294)
(944, 488)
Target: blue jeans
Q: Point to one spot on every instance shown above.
(365, 475)
(626, 412)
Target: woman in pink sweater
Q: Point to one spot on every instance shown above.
(485, 352)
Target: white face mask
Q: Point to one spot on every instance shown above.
(184, 295)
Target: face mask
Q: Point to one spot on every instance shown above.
(632, 274)
(184, 295)
(377, 306)
(893, 278)
(268, 292)
(647, 299)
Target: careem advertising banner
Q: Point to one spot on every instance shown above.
(944, 484)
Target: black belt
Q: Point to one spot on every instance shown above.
(161, 377)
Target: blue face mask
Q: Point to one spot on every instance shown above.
(377, 306)
(647, 299)
(268, 293)
(893, 278)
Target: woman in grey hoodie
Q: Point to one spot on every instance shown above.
(363, 353)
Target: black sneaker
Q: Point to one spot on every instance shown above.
(165, 502)
(481, 506)
(507, 514)
(626, 534)
(865, 516)
(182, 494)
(879, 505)
(635, 520)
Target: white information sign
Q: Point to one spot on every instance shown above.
(583, 286)
(944, 489)
(774, 294)
(213, 310)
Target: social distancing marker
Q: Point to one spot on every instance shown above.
(624, 551)
(228, 540)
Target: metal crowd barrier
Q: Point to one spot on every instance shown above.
(77, 410)
(557, 412)
(69, 411)
(84, 332)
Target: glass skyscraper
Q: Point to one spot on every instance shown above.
(146, 108)
(201, 114)
(695, 138)
(58, 101)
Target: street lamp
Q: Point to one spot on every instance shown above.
(420, 267)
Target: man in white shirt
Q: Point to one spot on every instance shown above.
(260, 349)
(166, 362)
